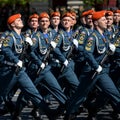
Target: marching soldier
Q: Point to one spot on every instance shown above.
(33, 27)
(84, 32)
(12, 49)
(96, 48)
(55, 30)
(67, 77)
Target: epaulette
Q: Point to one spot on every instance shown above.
(10, 34)
(7, 33)
(29, 31)
(60, 31)
(38, 34)
(49, 29)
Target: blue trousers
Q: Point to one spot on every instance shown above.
(51, 82)
(86, 85)
(68, 78)
(27, 87)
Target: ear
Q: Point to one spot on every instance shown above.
(13, 24)
(95, 23)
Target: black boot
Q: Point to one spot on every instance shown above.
(36, 114)
(3, 110)
(60, 110)
(91, 117)
(69, 117)
(114, 115)
(49, 112)
(16, 118)
(10, 106)
(92, 111)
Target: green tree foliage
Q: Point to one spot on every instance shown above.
(92, 2)
(11, 2)
(22, 2)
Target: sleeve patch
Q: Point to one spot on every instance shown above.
(5, 42)
(88, 47)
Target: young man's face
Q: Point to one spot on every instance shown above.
(88, 20)
(33, 23)
(109, 20)
(18, 23)
(102, 23)
(55, 21)
(66, 22)
(116, 17)
(44, 23)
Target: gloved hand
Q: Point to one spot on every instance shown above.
(20, 64)
(53, 44)
(112, 47)
(29, 41)
(42, 66)
(99, 69)
(75, 42)
(65, 62)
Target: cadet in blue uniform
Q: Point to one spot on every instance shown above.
(30, 32)
(84, 32)
(96, 47)
(42, 42)
(67, 77)
(55, 30)
(12, 49)
(102, 99)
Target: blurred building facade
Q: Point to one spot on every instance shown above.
(44, 5)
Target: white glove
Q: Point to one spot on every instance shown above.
(112, 47)
(99, 69)
(42, 65)
(29, 40)
(53, 44)
(75, 42)
(65, 62)
(20, 64)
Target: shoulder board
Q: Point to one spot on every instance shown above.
(60, 31)
(94, 34)
(38, 34)
(49, 30)
(11, 34)
(29, 31)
